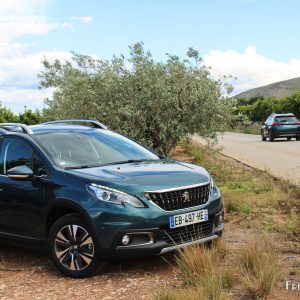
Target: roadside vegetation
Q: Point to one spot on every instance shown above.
(259, 108)
(28, 117)
(246, 128)
(266, 210)
(250, 113)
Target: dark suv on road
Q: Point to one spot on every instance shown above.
(88, 195)
(281, 126)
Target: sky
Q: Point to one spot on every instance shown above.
(256, 41)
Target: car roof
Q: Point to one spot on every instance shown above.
(287, 114)
(54, 126)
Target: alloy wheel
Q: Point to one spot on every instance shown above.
(74, 247)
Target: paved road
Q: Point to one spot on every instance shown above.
(281, 158)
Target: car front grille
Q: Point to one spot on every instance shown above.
(180, 198)
(186, 234)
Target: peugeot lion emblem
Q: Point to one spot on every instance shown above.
(186, 197)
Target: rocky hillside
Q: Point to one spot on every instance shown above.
(277, 89)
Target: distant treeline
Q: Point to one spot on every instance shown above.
(28, 117)
(259, 108)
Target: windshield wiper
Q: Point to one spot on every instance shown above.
(126, 161)
(108, 164)
(82, 167)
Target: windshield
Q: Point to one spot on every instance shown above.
(286, 119)
(90, 149)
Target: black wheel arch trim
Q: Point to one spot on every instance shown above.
(69, 204)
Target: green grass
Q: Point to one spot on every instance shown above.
(251, 193)
(290, 225)
(245, 129)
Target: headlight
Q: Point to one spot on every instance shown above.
(212, 184)
(113, 196)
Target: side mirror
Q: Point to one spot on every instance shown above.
(20, 172)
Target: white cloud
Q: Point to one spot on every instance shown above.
(12, 27)
(251, 69)
(18, 75)
(22, 6)
(19, 69)
(84, 19)
(18, 99)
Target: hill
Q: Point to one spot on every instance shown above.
(278, 89)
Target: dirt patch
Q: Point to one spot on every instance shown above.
(30, 275)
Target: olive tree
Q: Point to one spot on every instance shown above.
(155, 103)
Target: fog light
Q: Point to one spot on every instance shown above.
(221, 218)
(125, 240)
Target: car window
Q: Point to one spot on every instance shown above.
(17, 152)
(286, 119)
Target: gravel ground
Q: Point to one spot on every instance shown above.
(30, 275)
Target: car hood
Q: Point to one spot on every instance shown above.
(138, 177)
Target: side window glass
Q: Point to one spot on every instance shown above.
(15, 152)
(38, 166)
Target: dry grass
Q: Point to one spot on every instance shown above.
(258, 265)
(201, 273)
(169, 293)
(208, 273)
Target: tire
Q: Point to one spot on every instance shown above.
(288, 138)
(271, 137)
(73, 247)
(263, 138)
(297, 138)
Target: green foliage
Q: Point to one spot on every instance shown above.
(258, 109)
(30, 118)
(27, 117)
(155, 103)
(6, 115)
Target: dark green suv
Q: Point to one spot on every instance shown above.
(88, 195)
(281, 126)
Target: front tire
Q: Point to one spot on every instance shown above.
(288, 138)
(271, 137)
(73, 248)
(263, 138)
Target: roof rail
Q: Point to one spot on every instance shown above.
(95, 124)
(14, 126)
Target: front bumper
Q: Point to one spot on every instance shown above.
(149, 231)
(160, 246)
(152, 241)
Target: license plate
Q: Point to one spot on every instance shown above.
(189, 218)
